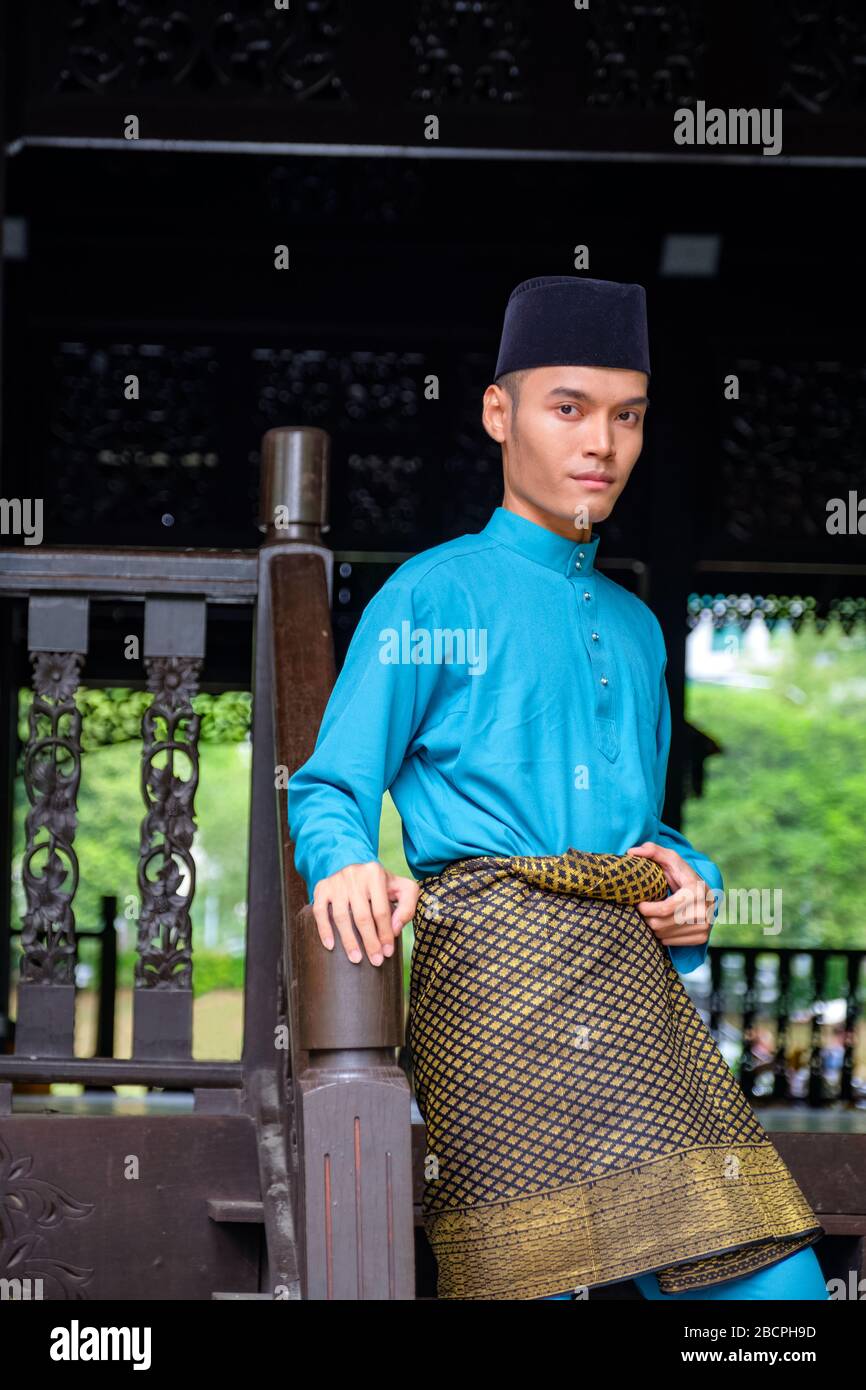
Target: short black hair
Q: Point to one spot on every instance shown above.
(510, 382)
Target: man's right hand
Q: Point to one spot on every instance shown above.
(367, 892)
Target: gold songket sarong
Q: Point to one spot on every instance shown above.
(582, 1124)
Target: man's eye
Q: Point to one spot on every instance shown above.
(566, 406)
(629, 412)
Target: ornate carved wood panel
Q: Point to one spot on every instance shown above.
(52, 773)
(166, 870)
(174, 647)
(501, 73)
(57, 642)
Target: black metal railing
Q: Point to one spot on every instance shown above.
(755, 999)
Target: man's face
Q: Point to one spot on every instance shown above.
(571, 423)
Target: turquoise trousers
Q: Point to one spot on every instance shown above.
(797, 1276)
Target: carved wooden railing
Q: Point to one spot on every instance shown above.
(58, 586)
(175, 589)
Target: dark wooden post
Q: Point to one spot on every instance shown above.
(351, 1101)
(354, 1103)
(816, 1050)
(293, 504)
(747, 1065)
(781, 1084)
(294, 490)
(852, 986)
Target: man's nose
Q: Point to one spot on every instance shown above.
(599, 439)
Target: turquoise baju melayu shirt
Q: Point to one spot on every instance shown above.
(512, 699)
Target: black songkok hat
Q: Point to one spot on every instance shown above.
(569, 320)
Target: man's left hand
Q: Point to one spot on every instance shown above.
(684, 918)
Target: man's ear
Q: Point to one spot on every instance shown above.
(494, 412)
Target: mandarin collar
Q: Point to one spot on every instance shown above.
(537, 543)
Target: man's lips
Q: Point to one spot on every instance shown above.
(592, 480)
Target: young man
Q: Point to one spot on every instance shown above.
(582, 1125)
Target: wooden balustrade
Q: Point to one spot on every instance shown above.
(176, 591)
(59, 587)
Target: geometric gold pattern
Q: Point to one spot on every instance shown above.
(582, 1125)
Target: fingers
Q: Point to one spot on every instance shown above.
(374, 923)
(650, 850)
(683, 919)
(692, 903)
(668, 859)
(320, 912)
(338, 907)
(658, 908)
(678, 871)
(356, 902)
(404, 893)
(351, 906)
(335, 901)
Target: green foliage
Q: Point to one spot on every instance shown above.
(784, 804)
(210, 970)
(114, 715)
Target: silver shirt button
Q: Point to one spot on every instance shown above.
(595, 637)
(587, 594)
(604, 680)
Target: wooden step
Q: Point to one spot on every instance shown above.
(235, 1209)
